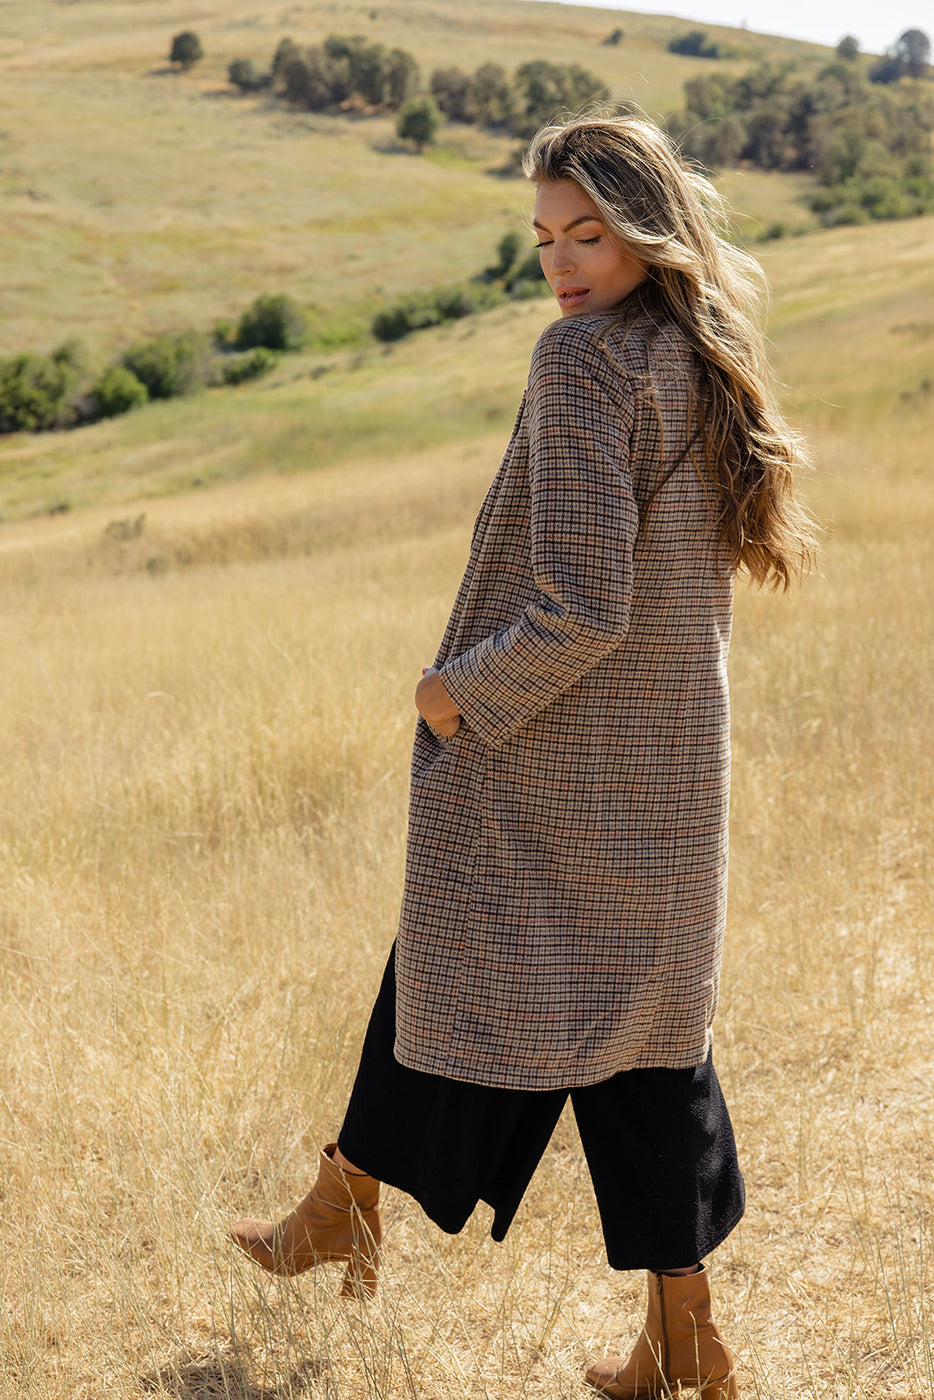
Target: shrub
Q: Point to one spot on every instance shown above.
(848, 48)
(418, 121)
(696, 45)
(117, 391)
(186, 49)
(529, 270)
(243, 73)
(276, 322)
(224, 334)
(393, 323)
(173, 363)
(615, 36)
(454, 302)
(33, 390)
(887, 69)
(525, 289)
(71, 356)
(414, 313)
(849, 213)
(507, 250)
(251, 365)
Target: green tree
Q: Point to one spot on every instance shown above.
(848, 48)
(711, 97)
(275, 322)
(724, 142)
(402, 78)
(450, 87)
(913, 52)
(366, 66)
(418, 121)
(186, 49)
(315, 82)
(547, 89)
(491, 96)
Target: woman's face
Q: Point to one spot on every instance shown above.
(583, 264)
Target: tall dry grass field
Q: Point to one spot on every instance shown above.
(205, 743)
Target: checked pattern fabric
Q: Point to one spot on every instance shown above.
(565, 890)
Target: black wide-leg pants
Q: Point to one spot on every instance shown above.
(658, 1142)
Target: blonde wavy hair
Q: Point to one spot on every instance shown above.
(668, 215)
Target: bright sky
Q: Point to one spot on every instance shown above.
(875, 24)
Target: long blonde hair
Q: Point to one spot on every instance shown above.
(665, 214)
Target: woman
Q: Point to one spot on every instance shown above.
(565, 888)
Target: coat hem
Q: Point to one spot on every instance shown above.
(581, 1077)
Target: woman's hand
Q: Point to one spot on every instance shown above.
(435, 705)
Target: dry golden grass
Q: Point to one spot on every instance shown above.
(202, 844)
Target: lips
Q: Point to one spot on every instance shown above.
(571, 296)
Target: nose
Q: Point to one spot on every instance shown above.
(563, 257)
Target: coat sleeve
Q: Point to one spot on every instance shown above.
(583, 526)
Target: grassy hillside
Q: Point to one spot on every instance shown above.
(850, 340)
(214, 612)
(135, 198)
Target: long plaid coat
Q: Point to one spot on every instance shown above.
(565, 884)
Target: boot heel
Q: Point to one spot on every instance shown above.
(724, 1389)
(361, 1277)
(361, 1281)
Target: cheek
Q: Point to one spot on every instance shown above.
(614, 269)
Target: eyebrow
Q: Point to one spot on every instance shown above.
(584, 219)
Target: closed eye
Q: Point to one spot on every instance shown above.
(588, 242)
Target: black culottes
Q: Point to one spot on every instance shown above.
(658, 1142)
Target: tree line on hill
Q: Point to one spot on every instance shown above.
(348, 73)
(863, 132)
(869, 145)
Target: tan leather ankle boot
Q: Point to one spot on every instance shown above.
(337, 1220)
(680, 1345)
